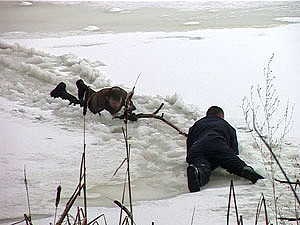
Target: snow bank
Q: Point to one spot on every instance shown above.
(158, 151)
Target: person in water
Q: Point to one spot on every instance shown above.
(212, 142)
(110, 99)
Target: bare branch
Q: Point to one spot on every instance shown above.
(297, 182)
(161, 117)
(277, 162)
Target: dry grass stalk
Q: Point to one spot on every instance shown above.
(232, 193)
(297, 209)
(127, 148)
(125, 221)
(80, 186)
(94, 221)
(84, 171)
(69, 204)
(123, 198)
(129, 214)
(262, 202)
(192, 220)
(58, 191)
(27, 218)
(125, 133)
(119, 167)
(81, 216)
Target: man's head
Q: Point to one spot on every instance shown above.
(215, 111)
(114, 97)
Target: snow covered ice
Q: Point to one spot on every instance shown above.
(183, 58)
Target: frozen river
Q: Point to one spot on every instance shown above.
(191, 55)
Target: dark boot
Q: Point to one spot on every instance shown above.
(193, 178)
(197, 177)
(81, 89)
(60, 92)
(249, 173)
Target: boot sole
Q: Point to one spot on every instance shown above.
(58, 90)
(193, 180)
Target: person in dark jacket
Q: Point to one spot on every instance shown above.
(110, 99)
(212, 142)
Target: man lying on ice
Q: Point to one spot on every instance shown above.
(212, 142)
(110, 99)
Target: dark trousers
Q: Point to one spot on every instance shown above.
(212, 151)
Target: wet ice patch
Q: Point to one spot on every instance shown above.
(25, 3)
(289, 19)
(115, 10)
(191, 23)
(91, 28)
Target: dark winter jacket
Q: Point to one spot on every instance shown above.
(97, 101)
(212, 126)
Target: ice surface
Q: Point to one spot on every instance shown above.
(158, 152)
(46, 135)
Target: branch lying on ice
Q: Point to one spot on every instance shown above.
(154, 116)
(288, 219)
(297, 182)
(161, 117)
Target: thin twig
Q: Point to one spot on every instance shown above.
(84, 172)
(125, 221)
(125, 133)
(123, 197)
(192, 221)
(27, 193)
(119, 167)
(262, 201)
(78, 215)
(289, 219)
(15, 223)
(297, 182)
(161, 117)
(94, 220)
(276, 160)
(231, 192)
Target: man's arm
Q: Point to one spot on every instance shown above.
(234, 143)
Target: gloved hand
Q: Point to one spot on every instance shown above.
(249, 173)
(132, 117)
